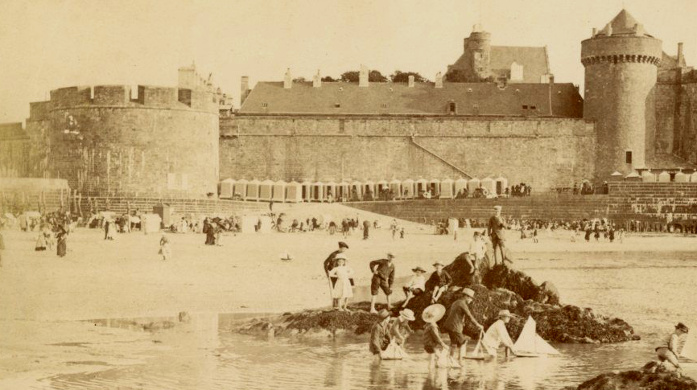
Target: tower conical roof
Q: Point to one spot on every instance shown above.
(624, 24)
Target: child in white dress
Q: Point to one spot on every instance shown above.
(343, 290)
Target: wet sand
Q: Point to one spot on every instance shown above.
(126, 278)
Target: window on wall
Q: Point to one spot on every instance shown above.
(452, 107)
(628, 157)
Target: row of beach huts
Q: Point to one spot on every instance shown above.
(306, 191)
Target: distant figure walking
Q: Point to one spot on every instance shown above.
(2, 247)
(669, 352)
(366, 229)
(165, 248)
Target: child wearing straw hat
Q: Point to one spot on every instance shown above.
(497, 334)
(416, 286)
(439, 282)
(433, 343)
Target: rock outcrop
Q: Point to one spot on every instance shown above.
(652, 377)
(503, 288)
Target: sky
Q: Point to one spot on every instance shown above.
(49, 44)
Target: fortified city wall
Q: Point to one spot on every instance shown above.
(148, 141)
(543, 152)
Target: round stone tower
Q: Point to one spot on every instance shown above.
(477, 54)
(621, 64)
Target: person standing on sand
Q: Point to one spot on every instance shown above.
(343, 289)
(383, 276)
(62, 237)
(165, 248)
(329, 264)
(366, 229)
(379, 334)
(495, 231)
(455, 323)
(669, 352)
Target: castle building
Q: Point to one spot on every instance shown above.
(482, 62)
(506, 116)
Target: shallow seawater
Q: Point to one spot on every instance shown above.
(652, 291)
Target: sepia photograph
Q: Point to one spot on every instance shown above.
(348, 194)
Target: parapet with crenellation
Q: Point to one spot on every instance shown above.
(142, 96)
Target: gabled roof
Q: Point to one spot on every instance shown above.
(12, 131)
(339, 98)
(534, 60)
(623, 24)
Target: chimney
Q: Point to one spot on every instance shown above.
(317, 80)
(244, 89)
(411, 81)
(681, 59)
(363, 76)
(439, 80)
(287, 80)
(595, 32)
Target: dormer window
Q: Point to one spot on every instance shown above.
(337, 105)
(525, 106)
(264, 105)
(383, 105)
(533, 107)
(452, 108)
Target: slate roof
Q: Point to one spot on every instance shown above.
(622, 24)
(338, 98)
(12, 131)
(534, 60)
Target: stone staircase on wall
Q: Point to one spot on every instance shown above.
(565, 207)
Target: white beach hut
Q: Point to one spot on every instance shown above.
(421, 186)
(253, 190)
(306, 191)
(368, 190)
(408, 189)
(434, 187)
(501, 185)
(647, 176)
(240, 187)
(664, 177)
(356, 191)
(227, 188)
(318, 191)
(330, 191)
(680, 177)
(488, 184)
(279, 191)
(447, 189)
(472, 184)
(396, 188)
(460, 185)
(266, 190)
(693, 177)
(294, 192)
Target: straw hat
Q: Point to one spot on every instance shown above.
(504, 313)
(383, 314)
(497, 207)
(438, 263)
(340, 256)
(433, 313)
(683, 327)
(407, 314)
(418, 269)
(468, 292)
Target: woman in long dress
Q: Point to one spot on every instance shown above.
(342, 290)
(165, 248)
(62, 238)
(40, 242)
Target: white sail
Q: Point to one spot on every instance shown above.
(689, 349)
(529, 343)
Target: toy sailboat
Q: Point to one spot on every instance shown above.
(394, 352)
(530, 344)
